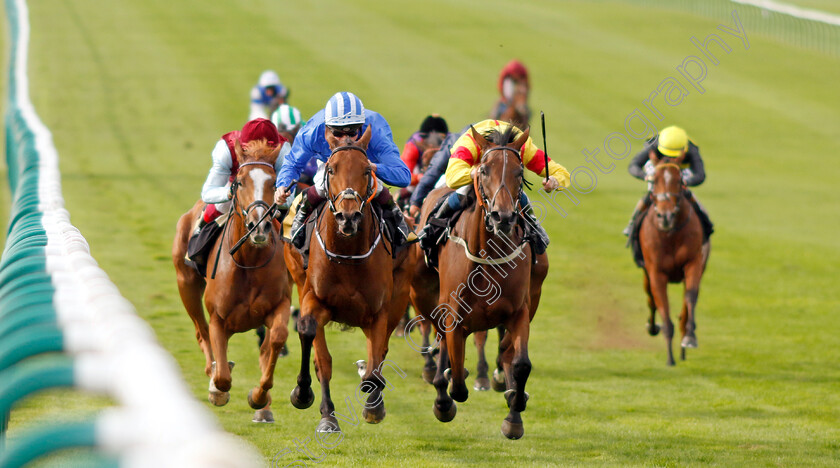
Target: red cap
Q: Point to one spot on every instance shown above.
(515, 69)
(259, 129)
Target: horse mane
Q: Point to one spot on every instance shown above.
(495, 137)
(259, 151)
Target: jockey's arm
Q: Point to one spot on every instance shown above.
(385, 154)
(295, 160)
(534, 160)
(437, 167)
(697, 173)
(636, 168)
(216, 187)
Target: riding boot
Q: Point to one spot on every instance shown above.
(406, 236)
(298, 232)
(705, 221)
(437, 221)
(640, 207)
(536, 232)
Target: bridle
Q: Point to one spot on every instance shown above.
(244, 213)
(348, 193)
(666, 196)
(481, 197)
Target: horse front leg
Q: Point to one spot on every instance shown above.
(377, 342)
(277, 332)
(520, 369)
(659, 290)
(302, 396)
(444, 407)
(499, 378)
(652, 327)
(456, 344)
(693, 274)
(323, 370)
(482, 382)
(220, 378)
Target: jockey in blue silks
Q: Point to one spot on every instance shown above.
(344, 115)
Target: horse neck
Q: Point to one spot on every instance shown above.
(337, 243)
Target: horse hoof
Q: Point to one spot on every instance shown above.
(263, 416)
(448, 415)
(328, 425)
(689, 342)
(482, 384)
(301, 399)
(499, 381)
(510, 394)
(511, 430)
(652, 329)
(429, 374)
(219, 398)
(447, 374)
(375, 415)
(253, 404)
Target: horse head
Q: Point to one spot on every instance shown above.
(667, 191)
(350, 181)
(498, 178)
(517, 112)
(254, 187)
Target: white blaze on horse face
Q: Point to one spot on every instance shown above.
(260, 177)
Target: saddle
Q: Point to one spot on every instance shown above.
(201, 244)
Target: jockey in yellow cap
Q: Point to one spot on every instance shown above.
(672, 142)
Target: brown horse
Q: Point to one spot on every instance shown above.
(517, 111)
(250, 288)
(671, 239)
(486, 279)
(351, 279)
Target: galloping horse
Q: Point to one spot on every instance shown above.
(517, 112)
(251, 286)
(674, 250)
(351, 279)
(486, 279)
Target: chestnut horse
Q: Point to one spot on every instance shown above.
(351, 279)
(486, 279)
(674, 250)
(250, 288)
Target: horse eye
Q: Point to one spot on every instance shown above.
(482, 170)
(330, 170)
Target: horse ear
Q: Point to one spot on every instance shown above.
(520, 142)
(237, 148)
(331, 140)
(653, 157)
(276, 152)
(364, 140)
(479, 140)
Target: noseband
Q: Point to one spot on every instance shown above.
(666, 196)
(244, 212)
(486, 203)
(349, 193)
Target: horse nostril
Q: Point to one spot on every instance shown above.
(339, 217)
(357, 217)
(250, 225)
(495, 216)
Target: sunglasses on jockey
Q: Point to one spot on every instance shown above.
(347, 130)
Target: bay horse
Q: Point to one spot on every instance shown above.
(517, 111)
(250, 287)
(351, 279)
(674, 251)
(486, 279)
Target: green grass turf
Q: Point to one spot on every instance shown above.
(137, 93)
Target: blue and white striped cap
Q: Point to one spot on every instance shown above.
(344, 108)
